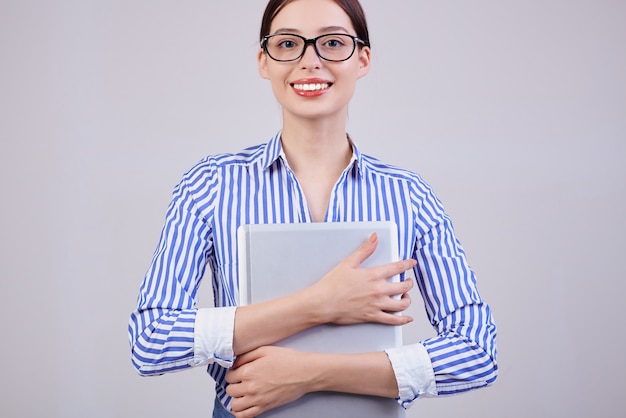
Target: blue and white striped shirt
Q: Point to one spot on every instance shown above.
(168, 332)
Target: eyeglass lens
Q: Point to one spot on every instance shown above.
(332, 47)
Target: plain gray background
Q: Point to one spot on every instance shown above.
(514, 111)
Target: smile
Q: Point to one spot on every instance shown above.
(311, 87)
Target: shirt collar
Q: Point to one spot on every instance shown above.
(357, 158)
(274, 151)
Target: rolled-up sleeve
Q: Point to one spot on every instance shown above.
(213, 336)
(414, 373)
(167, 331)
(462, 354)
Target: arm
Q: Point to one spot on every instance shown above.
(463, 353)
(162, 329)
(269, 377)
(462, 356)
(346, 295)
(167, 333)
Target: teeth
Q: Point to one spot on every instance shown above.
(311, 87)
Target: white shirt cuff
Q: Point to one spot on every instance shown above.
(213, 336)
(414, 373)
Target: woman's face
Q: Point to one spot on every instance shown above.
(311, 87)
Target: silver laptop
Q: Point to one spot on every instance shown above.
(279, 259)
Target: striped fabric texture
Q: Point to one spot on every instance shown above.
(222, 192)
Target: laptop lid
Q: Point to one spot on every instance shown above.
(279, 259)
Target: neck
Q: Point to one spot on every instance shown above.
(316, 146)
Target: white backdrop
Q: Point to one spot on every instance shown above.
(514, 111)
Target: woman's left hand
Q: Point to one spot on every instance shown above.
(267, 378)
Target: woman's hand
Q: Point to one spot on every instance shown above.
(350, 294)
(270, 376)
(267, 378)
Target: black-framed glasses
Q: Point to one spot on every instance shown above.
(333, 47)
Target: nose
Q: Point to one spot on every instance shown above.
(309, 58)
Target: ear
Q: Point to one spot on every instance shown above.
(365, 55)
(262, 62)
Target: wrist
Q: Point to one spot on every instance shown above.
(314, 305)
(315, 375)
(361, 373)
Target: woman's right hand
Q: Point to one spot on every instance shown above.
(351, 294)
(348, 294)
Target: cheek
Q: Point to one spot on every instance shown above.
(279, 89)
(279, 76)
(276, 74)
(278, 84)
(350, 80)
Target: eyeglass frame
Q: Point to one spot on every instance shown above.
(312, 41)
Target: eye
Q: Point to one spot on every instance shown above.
(334, 43)
(287, 43)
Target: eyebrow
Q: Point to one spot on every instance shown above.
(327, 29)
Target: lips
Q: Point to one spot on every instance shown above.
(311, 87)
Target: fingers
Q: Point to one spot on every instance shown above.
(242, 405)
(248, 357)
(387, 270)
(363, 252)
(399, 292)
(393, 269)
(394, 319)
(265, 379)
(247, 413)
(406, 297)
(402, 304)
(395, 305)
(355, 294)
(392, 314)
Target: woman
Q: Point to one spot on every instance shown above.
(312, 52)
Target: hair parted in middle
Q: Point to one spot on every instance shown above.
(352, 8)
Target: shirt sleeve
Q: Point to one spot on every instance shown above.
(462, 354)
(167, 331)
(213, 336)
(414, 373)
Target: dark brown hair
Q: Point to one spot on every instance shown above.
(352, 8)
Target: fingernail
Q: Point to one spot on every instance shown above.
(373, 238)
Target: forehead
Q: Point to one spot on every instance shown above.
(311, 17)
